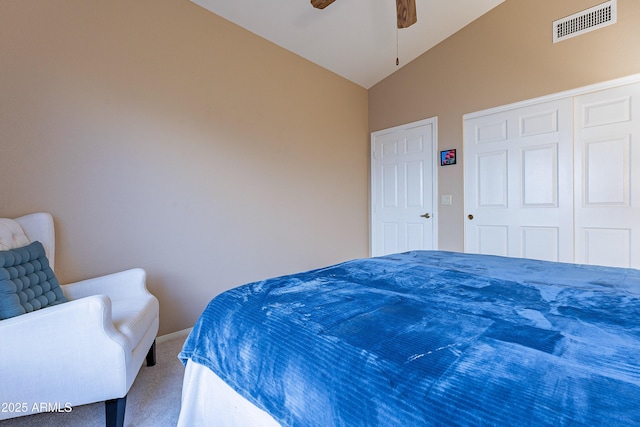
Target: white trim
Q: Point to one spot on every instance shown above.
(172, 335)
(434, 176)
(635, 78)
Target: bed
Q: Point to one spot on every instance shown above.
(420, 338)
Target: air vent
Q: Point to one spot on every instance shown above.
(585, 21)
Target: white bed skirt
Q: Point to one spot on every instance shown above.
(209, 401)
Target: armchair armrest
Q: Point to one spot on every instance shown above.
(125, 284)
(64, 341)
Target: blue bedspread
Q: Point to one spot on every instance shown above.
(432, 338)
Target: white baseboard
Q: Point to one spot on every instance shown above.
(172, 335)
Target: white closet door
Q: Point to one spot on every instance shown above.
(607, 177)
(518, 182)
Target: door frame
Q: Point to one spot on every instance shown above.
(433, 121)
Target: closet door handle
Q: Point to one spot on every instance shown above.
(470, 216)
(427, 216)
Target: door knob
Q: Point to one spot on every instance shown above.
(427, 216)
(470, 216)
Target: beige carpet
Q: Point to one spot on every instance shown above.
(154, 398)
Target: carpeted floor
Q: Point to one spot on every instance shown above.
(153, 400)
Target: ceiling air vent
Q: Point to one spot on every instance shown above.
(585, 21)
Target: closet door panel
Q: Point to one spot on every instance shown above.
(518, 182)
(607, 177)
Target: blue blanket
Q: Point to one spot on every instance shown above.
(432, 338)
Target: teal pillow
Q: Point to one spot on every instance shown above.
(27, 282)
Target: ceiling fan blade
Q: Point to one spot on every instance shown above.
(321, 4)
(406, 13)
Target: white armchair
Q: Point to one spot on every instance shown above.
(86, 350)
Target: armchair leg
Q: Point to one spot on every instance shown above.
(151, 355)
(114, 410)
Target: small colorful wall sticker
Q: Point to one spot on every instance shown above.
(448, 157)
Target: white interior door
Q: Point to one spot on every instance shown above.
(518, 182)
(404, 188)
(607, 176)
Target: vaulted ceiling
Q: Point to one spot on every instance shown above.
(356, 39)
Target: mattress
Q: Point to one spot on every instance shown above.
(429, 338)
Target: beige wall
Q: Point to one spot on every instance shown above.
(505, 56)
(161, 136)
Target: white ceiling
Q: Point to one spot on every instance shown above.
(356, 39)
